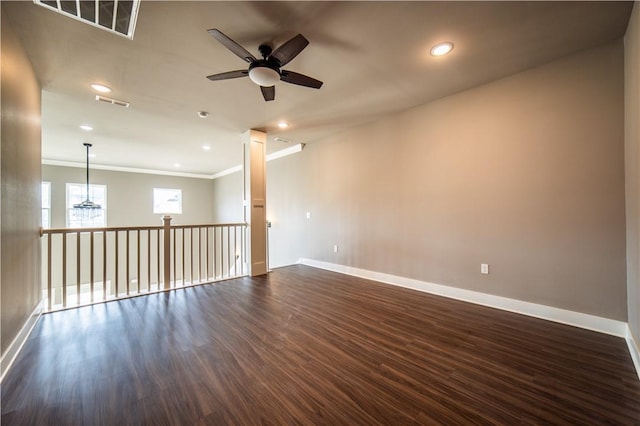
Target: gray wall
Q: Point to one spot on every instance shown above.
(632, 160)
(130, 196)
(227, 198)
(525, 173)
(19, 187)
(286, 210)
(286, 244)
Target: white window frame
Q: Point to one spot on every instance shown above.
(161, 198)
(101, 221)
(45, 188)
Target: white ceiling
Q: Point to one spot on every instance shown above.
(373, 58)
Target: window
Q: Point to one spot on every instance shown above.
(167, 201)
(77, 193)
(45, 195)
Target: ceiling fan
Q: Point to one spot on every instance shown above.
(266, 72)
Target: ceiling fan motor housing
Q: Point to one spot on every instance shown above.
(265, 50)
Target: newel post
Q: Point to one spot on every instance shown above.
(167, 251)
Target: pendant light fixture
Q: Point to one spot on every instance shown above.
(87, 209)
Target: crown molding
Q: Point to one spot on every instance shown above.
(124, 169)
(273, 156)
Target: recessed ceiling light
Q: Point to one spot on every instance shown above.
(442, 48)
(176, 164)
(203, 114)
(86, 127)
(206, 147)
(283, 124)
(100, 88)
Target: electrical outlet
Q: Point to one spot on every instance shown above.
(335, 248)
(308, 215)
(484, 268)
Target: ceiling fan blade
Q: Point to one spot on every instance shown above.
(232, 45)
(269, 93)
(299, 79)
(289, 50)
(229, 74)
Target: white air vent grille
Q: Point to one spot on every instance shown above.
(117, 16)
(112, 101)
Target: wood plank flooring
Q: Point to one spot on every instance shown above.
(307, 346)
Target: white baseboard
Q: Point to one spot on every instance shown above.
(577, 319)
(633, 350)
(14, 348)
(284, 265)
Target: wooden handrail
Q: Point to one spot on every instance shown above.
(45, 231)
(212, 225)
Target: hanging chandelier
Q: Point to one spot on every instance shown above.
(87, 209)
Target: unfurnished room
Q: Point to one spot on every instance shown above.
(320, 213)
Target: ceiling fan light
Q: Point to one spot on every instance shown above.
(264, 76)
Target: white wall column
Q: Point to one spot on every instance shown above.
(255, 200)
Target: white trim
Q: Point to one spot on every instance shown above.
(124, 169)
(563, 316)
(271, 267)
(285, 152)
(633, 350)
(273, 156)
(18, 342)
(227, 172)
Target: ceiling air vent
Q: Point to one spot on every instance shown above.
(112, 101)
(116, 16)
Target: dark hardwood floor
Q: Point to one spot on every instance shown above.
(307, 346)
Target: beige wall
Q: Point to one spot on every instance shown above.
(19, 187)
(632, 163)
(286, 201)
(130, 196)
(525, 174)
(284, 196)
(227, 198)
